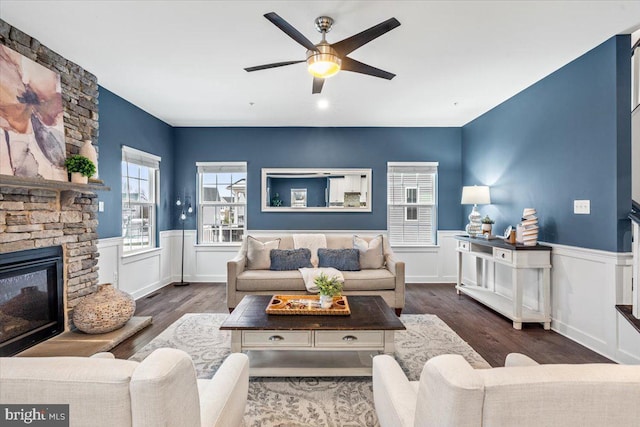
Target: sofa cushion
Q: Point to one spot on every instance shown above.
(371, 252)
(290, 259)
(369, 280)
(258, 253)
(340, 259)
(268, 280)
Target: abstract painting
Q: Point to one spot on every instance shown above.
(31, 119)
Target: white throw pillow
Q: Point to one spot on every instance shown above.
(371, 252)
(258, 253)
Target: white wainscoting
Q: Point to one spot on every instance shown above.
(436, 264)
(142, 273)
(109, 260)
(138, 274)
(585, 284)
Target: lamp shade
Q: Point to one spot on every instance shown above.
(475, 195)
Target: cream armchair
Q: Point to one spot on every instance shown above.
(523, 393)
(162, 390)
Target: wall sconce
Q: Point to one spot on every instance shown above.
(475, 195)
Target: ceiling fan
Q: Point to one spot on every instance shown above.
(326, 59)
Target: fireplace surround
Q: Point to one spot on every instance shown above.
(31, 298)
(38, 213)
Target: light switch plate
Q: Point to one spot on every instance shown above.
(100, 206)
(582, 207)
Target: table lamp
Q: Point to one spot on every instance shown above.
(475, 195)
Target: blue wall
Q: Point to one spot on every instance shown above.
(122, 123)
(323, 148)
(566, 137)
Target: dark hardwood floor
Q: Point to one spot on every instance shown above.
(489, 333)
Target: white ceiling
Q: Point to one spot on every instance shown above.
(182, 61)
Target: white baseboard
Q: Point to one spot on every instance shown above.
(586, 284)
(590, 341)
(148, 272)
(149, 289)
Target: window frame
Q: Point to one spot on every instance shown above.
(152, 163)
(411, 205)
(408, 209)
(413, 167)
(223, 167)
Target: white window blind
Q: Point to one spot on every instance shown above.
(219, 167)
(142, 158)
(412, 203)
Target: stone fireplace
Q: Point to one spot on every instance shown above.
(36, 218)
(37, 213)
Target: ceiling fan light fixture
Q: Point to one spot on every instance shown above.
(323, 63)
(325, 60)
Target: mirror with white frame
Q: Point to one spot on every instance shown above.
(316, 190)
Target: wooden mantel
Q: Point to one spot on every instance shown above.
(16, 181)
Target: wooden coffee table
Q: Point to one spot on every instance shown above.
(318, 346)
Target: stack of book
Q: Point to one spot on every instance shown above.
(530, 224)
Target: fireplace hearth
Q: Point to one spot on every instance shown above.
(31, 298)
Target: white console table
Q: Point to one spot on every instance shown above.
(487, 254)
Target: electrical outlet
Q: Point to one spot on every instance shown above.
(101, 206)
(115, 277)
(582, 207)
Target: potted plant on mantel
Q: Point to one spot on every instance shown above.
(329, 287)
(80, 168)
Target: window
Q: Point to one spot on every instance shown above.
(140, 181)
(411, 198)
(412, 203)
(222, 202)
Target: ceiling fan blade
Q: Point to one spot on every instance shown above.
(348, 45)
(274, 65)
(317, 85)
(349, 64)
(290, 30)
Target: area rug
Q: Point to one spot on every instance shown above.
(327, 402)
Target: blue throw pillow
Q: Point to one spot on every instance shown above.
(290, 259)
(340, 259)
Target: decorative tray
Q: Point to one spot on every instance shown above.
(307, 304)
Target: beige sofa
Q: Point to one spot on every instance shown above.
(162, 390)
(451, 393)
(388, 282)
